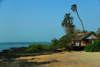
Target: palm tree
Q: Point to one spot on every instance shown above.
(68, 25)
(67, 21)
(74, 9)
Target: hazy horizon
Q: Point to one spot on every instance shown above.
(24, 42)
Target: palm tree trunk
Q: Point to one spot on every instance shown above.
(81, 21)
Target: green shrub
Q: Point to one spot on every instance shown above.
(39, 47)
(97, 43)
(93, 47)
(30, 46)
(11, 51)
(98, 47)
(86, 48)
(46, 47)
(52, 47)
(36, 47)
(58, 44)
(90, 50)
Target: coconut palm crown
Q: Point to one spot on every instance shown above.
(68, 21)
(74, 7)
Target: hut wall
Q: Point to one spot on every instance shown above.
(82, 44)
(85, 42)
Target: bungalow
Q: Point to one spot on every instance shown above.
(82, 39)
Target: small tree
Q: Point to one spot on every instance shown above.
(54, 41)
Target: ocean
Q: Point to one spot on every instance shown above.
(16, 45)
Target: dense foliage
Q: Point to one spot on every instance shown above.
(58, 43)
(37, 47)
(93, 47)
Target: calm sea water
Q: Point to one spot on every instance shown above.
(8, 46)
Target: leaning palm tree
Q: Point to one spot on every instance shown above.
(74, 9)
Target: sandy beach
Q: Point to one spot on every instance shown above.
(67, 59)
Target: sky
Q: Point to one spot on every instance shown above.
(40, 20)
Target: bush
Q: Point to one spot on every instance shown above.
(11, 51)
(52, 47)
(37, 47)
(30, 46)
(93, 47)
(58, 44)
(34, 47)
(86, 48)
(97, 43)
(46, 47)
(63, 44)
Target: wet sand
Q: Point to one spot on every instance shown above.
(67, 59)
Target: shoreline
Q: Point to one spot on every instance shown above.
(49, 58)
(12, 48)
(9, 59)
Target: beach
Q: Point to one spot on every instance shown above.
(67, 59)
(50, 59)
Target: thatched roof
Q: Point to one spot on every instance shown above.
(81, 36)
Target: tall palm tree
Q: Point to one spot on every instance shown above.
(74, 9)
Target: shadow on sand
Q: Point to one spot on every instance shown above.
(8, 59)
